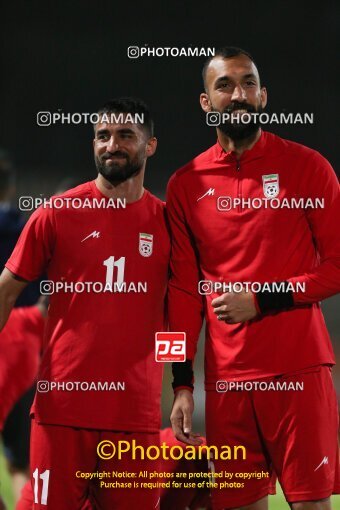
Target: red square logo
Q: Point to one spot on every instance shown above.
(170, 346)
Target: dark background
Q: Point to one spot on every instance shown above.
(73, 56)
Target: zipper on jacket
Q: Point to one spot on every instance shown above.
(238, 167)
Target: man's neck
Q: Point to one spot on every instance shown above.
(131, 190)
(237, 146)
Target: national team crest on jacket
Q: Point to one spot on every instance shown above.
(145, 244)
(271, 185)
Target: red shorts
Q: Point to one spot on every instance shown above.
(170, 498)
(26, 499)
(183, 498)
(63, 459)
(294, 433)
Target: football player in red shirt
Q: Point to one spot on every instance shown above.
(98, 378)
(272, 335)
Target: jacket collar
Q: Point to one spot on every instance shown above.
(221, 156)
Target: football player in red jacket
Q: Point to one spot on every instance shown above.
(256, 265)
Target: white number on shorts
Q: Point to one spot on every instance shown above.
(45, 477)
(110, 264)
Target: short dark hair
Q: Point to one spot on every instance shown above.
(131, 105)
(225, 52)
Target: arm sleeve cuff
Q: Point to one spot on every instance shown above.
(189, 388)
(274, 300)
(183, 375)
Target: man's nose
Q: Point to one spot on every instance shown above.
(239, 94)
(112, 144)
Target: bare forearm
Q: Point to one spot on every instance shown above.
(6, 305)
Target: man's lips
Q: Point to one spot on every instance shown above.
(239, 111)
(114, 156)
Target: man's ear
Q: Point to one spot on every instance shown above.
(264, 97)
(205, 102)
(151, 147)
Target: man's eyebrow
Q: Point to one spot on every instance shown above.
(125, 131)
(250, 75)
(227, 78)
(104, 131)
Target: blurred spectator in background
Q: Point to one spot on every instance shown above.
(11, 220)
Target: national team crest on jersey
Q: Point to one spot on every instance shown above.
(271, 185)
(145, 244)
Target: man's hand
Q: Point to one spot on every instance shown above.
(181, 418)
(235, 307)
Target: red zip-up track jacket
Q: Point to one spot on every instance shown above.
(299, 244)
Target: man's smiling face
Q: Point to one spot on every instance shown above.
(233, 87)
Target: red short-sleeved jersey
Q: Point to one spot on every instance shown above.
(100, 343)
(20, 345)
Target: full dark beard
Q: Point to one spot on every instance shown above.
(239, 131)
(116, 173)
